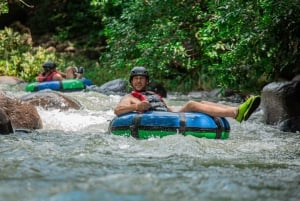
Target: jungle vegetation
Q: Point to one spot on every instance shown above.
(185, 44)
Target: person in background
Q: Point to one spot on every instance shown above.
(50, 73)
(141, 100)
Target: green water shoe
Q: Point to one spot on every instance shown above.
(247, 108)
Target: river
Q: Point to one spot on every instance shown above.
(74, 158)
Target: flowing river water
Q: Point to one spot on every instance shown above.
(74, 158)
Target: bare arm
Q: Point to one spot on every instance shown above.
(57, 77)
(130, 104)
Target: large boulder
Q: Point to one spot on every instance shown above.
(290, 125)
(5, 123)
(116, 87)
(281, 105)
(49, 99)
(10, 80)
(119, 86)
(22, 115)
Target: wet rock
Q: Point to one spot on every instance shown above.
(198, 94)
(10, 80)
(117, 86)
(296, 78)
(281, 103)
(290, 125)
(217, 95)
(22, 115)
(5, 123)
(48, 99)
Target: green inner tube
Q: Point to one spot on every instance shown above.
(64, 85)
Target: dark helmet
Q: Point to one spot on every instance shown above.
(49, 65)
(138, 71)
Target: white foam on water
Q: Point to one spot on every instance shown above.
(73, 120)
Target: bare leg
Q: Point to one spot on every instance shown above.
(216, 104)
(70, 73)
(210, 108)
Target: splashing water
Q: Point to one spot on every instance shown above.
(74, 158)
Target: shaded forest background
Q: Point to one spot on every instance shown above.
(185, 44)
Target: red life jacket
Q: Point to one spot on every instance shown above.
(43, 78)
(154, 99)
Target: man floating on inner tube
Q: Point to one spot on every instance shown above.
(50, 73)
(141, 100)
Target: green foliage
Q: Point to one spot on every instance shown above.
(242, 41)
(159, 35)
(75, 20)
(185, 44)
(17, 58)
(189, 44)
(3, 7)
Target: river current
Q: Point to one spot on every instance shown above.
(74, 158)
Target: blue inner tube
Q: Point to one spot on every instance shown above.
(160, 124)
(64, 85)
